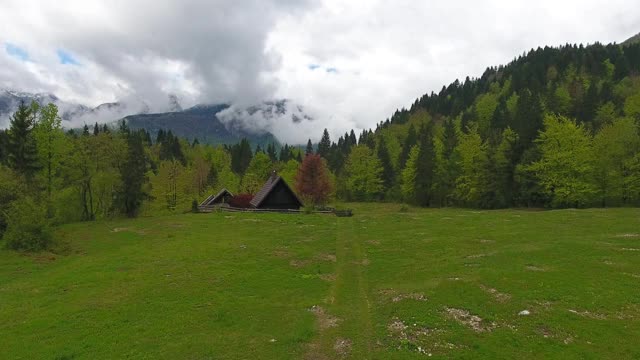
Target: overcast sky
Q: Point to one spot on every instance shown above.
(350, 64)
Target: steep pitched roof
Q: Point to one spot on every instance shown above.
(271, 183)
(212, 198)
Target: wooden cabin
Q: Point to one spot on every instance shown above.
(276, 194)
(220, 199)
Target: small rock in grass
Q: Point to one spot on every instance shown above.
(524, 313)
(273, 340)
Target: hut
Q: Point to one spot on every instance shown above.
(220, 199)
(276, 194)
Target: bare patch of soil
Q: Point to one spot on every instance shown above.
(500, 297)
(588, 314)
(325, 321)
(474, 322)
(327, 277)
(342, 347)
(412, 296)
(299, 263)
(281, 253)
(363, 262)
(326, 257)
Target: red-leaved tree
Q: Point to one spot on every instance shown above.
(312, 180)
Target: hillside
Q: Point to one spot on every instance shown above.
(484, 138)
(632, 40)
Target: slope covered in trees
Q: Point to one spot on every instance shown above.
(556, 127)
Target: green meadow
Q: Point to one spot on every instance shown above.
(388, 283)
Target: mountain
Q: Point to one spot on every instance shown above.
(200, 122)
(632, 40)
(214, 124)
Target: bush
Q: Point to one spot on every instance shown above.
(27, 226)
(242, 201)
(194, 206)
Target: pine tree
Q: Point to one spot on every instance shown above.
(96, 129)
(131, 194)
(388, 175)
(160, 137)
(105, 129)
(409, 142)
(22, 152)
(271, 151)
(85, 130)
(124, 128)
(425, 167)
(309, 149)
(324, 145)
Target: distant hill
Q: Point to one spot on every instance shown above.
(199, 122)
(632, 40)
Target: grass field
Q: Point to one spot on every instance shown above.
(383, 284)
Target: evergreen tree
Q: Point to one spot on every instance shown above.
(85, 130)
(309, 149)
(425, 167)
(241, 156)
(22, 152)
(123, 128)
(96, 129)
(105, 129)
(353, 141)
(324, 146)
(271, 151)
(133, 174)
(388, 175)
(409, 142)
(195, 142)
(160, 137)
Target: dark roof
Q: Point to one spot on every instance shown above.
(213, 198)
(268, 187)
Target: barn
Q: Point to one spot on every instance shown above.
(220, 199)
(276, 194)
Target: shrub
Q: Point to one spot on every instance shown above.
(27, 226)
(194, 206)
(242, 201)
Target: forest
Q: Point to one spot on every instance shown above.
(555, 128)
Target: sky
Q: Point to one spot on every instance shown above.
(346, 64)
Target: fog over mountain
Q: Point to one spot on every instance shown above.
(347, 64)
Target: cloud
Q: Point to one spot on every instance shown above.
(348, 64)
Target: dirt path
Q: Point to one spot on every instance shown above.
(348, 301)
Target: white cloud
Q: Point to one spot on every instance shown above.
(371, 57)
